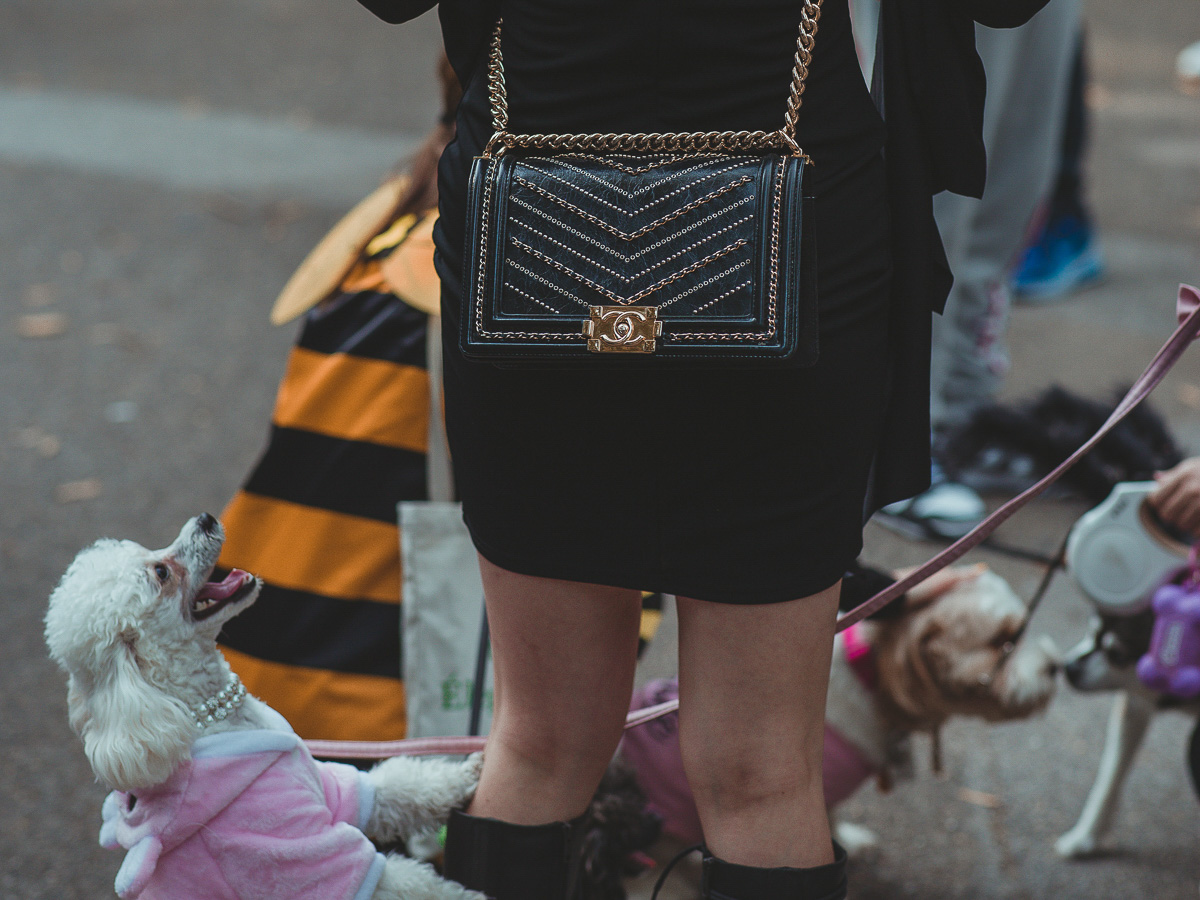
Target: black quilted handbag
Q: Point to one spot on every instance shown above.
(641, 246)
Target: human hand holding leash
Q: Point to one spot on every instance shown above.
(1177, 499)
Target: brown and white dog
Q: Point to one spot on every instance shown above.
(942, 656)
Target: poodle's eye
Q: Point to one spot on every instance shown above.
(162, 573)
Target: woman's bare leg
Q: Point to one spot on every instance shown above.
(564, 655)
(752, 683)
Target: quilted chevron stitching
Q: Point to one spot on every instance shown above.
(484, 226)
(627, 279)
(645, 292)
(579, 253)
(773, 268)
(646, 229)
(740, 336)
(625, 258)
(575, 187)
(609, 160)
(699, 286)
(674, 176)
(714, 302)
(594, 177)
(528, 296)
(550, 284)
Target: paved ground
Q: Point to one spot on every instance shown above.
(164, 166)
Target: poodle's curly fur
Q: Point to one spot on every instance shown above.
(136, 634)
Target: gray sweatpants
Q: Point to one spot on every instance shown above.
(1028, 75)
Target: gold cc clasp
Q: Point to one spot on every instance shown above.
(622, 329)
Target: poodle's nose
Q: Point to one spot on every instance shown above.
(207, 522)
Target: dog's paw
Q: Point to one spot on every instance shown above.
(416, 795)
(855, 839)
(462, 893)
(460, 779)
(408, 879)
(1078, 843)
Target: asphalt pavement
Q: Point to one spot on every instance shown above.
(164, 166)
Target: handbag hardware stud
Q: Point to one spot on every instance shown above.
(622, 329)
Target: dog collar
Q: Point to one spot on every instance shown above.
(859, 656)
(221, 704)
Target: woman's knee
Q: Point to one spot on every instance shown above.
(557, 743)
(730, 775)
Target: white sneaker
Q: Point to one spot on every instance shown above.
(1187, 69)
(948, 510)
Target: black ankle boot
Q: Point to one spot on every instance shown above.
(725, 881)
(513, 862)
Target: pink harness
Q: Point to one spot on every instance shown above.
(859, 656)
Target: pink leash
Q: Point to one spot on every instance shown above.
(445, 746)
(1188, 314)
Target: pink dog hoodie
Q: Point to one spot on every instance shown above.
(250, 816)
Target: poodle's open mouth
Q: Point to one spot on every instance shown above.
(214, 596)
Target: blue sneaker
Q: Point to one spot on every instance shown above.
(1064, 258)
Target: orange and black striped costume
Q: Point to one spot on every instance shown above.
(316, 518)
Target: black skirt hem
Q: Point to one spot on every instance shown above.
(796, 589)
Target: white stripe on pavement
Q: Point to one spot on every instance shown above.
(171, 146)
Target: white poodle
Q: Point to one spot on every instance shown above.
(216, 796)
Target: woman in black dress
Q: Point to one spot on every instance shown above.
(740, 491)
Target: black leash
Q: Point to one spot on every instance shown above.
(1054, 563)
(662, 879)
(481, 658)
(1021, 553)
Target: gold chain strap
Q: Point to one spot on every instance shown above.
(685, 142)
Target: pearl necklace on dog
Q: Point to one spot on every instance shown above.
(221, 704)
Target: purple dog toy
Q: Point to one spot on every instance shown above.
(1172, 665)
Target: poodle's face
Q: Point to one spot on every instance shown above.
(136, 630)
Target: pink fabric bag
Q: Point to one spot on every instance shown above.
(653, 751)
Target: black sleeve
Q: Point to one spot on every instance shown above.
(396, 11)
(861, 583)
(1002, 13)
(994, 13)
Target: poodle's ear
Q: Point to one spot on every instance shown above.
(77, 706)
(134, 735)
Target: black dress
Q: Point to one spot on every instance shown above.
(732, 486)
(741, 486)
